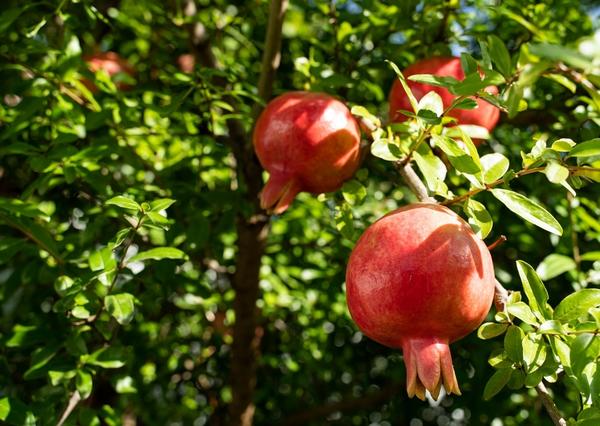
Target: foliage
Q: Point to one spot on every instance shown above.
(118, 210)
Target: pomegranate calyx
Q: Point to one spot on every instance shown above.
(278, 193)
(428, 365)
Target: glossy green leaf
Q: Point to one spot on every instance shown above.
(534, 290)
(551, 327)
(495, 384)
(460, 159)
(107, 357)
(563, 145)
(589, 148)
(479, 217)
(577, 304)
(84, 383)
(159, 253)
(556, 172)
(513, 343)
(121, 306)
(123, 202)
(523, 312)
(528, 210)
(494, 166)
(499, 55)
(554, 265)
(489, 330)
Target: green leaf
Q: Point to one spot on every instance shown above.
(354, 192)
(494, 167)
(560, 54)
(432, 168)
(362, 112)
(498, 380)
(589, 148)
(523, 312)
(39, 359)
(479, 217)
(108, 357)
(563, 81)
(431, 102)
(159, 253)
(460, 159)
(161, 204)
(490, 330)
(383, 148)
(499, 55)
(534, 353)
(121, 306)
(556, 172)
(528, 210)
(591, 256)
(125, 385)
(552, 327)
(434, 80)
(513, 343)
(554, 265)
(124, 202)
(577, 304)
(409, 93)
(84, 383)
(563, 145)
(469, 86)
(534, 290)
(14, 412)
(465, 103)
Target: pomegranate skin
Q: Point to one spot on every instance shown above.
(485, 115)
(112, 63)
(307, 142)
(419, 279)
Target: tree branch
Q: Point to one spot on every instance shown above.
(251, 229)
(549, 405)
(73, 401)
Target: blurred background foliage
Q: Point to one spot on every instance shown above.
(160, 356)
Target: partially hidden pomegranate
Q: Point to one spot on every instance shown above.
(110, 62)
(307, 142)
(485, 115)
(419, 279)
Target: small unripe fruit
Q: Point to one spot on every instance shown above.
(485, 115)
(307, 142)
(419, 279)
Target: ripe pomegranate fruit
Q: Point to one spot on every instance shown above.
(112, 63)
(186, 63)
(485, 115)
(419, 279)
(307, 142)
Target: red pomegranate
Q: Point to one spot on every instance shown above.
(485, 115)
(112, 63)
(419, 279)
(307, 142)
(186, 63)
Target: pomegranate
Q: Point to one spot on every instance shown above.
(485, 115)
(307, 142)
(186, 63)
(112, 63)
(419, 279)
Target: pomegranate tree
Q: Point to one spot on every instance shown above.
(419, 279)
(485, 115)
(307, 142)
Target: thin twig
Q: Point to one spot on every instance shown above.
(549, 405)
(73, 401)
(414, 183)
